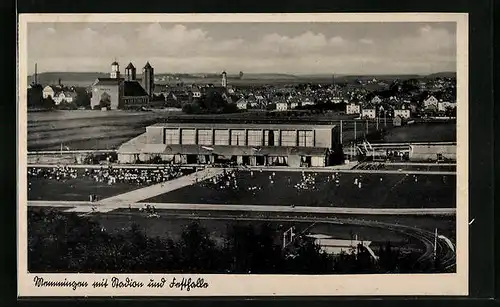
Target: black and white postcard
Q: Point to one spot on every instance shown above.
(243, 154)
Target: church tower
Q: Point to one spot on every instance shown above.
(224, 79)
(130, 72)
(148, 79)
(115, 70)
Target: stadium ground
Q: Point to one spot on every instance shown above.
(445, 224)
(377, 191)
(172, 227)
(75, 189)
(79, 189)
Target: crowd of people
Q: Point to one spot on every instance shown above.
(109, 175)
(226, 180)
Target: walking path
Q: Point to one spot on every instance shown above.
(160, 188)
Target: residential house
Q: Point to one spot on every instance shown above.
(196, 92)
(307, 102)
(175, 97)
(376, 100)
(353, 108)
(281, 106)
(242, 104)
(443, 105)
(50, 91)
(397, 121)
(368, 112)
(64, 97)
(294, 105)
(430, 101)
(403, 113)
(337, 99)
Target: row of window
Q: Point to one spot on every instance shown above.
(238, 138)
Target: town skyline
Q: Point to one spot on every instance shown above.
(407, 48)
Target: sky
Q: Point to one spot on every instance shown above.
(293, 48)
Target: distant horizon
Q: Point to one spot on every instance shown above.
(305, 48)
(253, 73)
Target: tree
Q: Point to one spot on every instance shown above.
(197, 251)
(306, 257)
(48, 103)
(105, 101)
(82, 98)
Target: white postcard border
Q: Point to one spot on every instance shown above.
(259, 285)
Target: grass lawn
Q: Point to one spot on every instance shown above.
(394, 191)
(77, 189)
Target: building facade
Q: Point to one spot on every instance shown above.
(244, 144)
(403, 113)
(433, 152)
(116, 92)
(281, 106)
(430, 101)
(353, 108)
(224, 79)
(443, 105)
(368, 113)
(148, 79)
(49, 91)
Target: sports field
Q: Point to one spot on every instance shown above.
(77, 189)
(171, 227)
(445, 224)
(289, 188)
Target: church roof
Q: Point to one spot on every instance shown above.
(130, 66)
(107, 81)
(114, 63)
(148, 66)
(133, 88)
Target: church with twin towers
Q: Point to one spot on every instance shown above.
(123, 91)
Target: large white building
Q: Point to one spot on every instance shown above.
(293, 145)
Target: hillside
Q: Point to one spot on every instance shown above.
(68, 78)
(447, 74)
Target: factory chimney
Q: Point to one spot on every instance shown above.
(36, 74)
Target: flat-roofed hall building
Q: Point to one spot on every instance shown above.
(245, 144)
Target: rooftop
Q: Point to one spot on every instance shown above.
(236, 125)
(133, 88)
(219, 150)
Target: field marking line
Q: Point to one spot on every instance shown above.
(258, 208)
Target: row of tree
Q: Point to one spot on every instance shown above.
(62, 242)
(36, 100)
(211, 103)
